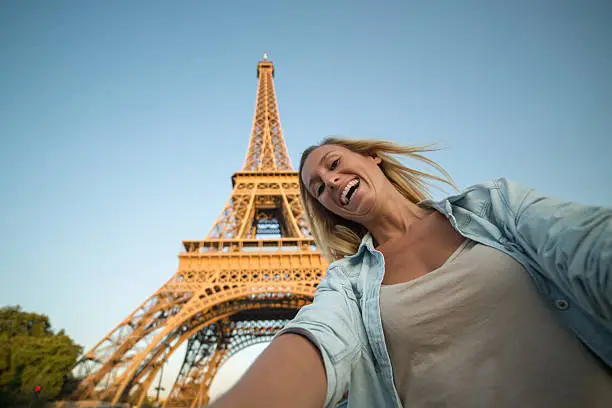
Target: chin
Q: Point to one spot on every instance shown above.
(359, 218)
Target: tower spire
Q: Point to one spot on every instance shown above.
(267, 149)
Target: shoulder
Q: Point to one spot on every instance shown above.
(346, 275)
(498, 185)
(337, 274)
(500, 191)
(494, 201)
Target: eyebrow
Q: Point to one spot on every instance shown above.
(315, 178)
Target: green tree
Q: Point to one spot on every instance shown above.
(32, 354)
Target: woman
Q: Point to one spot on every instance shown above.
(496, 297)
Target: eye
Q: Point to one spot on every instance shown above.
(334, 164)
(320, 189)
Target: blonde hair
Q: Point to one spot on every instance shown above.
(337, 237)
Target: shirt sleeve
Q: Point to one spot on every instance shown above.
(328, 323)
(570, 242)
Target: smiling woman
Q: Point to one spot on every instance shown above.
(339, 224)
(497, 296)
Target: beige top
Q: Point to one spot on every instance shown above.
(474, 333)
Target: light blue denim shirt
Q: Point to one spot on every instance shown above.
(565, 247)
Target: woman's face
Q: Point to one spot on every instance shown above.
(346, 183)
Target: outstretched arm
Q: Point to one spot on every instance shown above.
(572, 243)
(289, 373)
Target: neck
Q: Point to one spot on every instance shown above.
(394, 218)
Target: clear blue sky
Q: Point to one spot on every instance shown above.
(121, 122)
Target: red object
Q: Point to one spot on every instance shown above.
(37, 388)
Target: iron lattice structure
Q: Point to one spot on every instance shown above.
(257, 266)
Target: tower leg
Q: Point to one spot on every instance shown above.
(202, 399)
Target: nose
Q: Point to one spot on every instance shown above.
(333, 181)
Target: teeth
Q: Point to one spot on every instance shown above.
(343, 196)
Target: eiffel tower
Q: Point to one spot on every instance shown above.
(257, 266)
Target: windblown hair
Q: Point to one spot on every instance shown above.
(336, 236)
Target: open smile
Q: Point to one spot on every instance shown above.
(348, 191)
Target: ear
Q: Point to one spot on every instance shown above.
(376, 159)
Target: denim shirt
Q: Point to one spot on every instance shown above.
(566, 248)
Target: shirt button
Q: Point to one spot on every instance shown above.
(561, 304)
